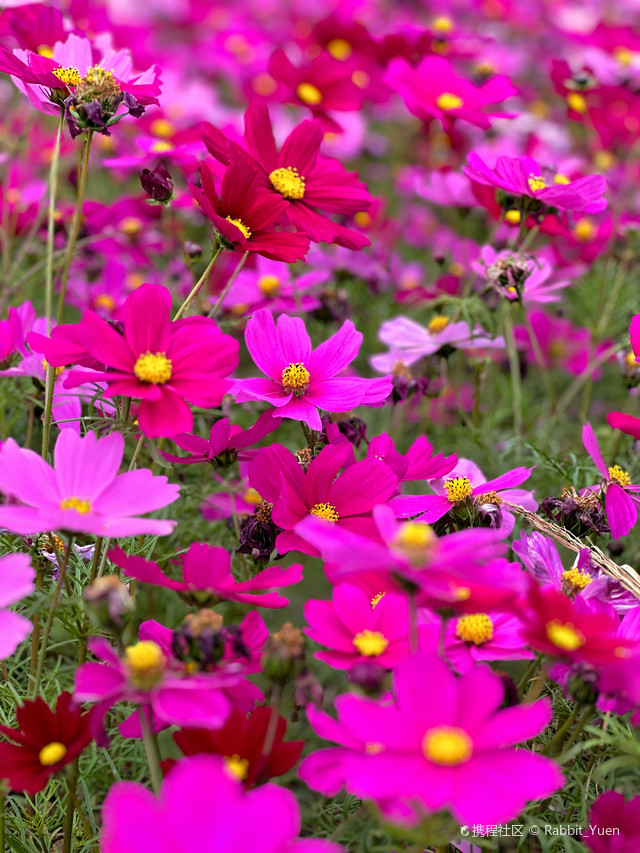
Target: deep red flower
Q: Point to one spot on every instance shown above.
(45, 742)
(244, 213)
(308, 182)
(241, 742)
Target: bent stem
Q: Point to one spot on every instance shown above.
(83, 168)
(227, 286)
(151, 749)
(198, 285)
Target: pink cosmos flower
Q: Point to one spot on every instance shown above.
(359, 628)
(523, 176)
(625, 423)
(208, 579)
(416, 464)
(433, 90)
(560, 342)
(226, 443)
(620, 501)
(427, 754)
(476, 637)
(521, 277)
(16, 581)
(186, 817)
(164, 364)
(344, 500)
(309, 182)
(613, 824)
(83, 491)
(301, 380)
(270, 284)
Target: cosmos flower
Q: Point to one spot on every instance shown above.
(225, 444)
(16, 582)
(620, 501)
(244, 213)
(186, 817)
(475, 637)
(613, 824)
(44, 742)
(309, 183)
(82, 492)
(208, 578)
(301, 380)
(427, 755)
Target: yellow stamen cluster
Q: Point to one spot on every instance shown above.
(447, 101)
(131, 225)
(576, 102)
(56, 370)
(573, 580)
(488, 498)
(103, 300)
(145, 663)
(371, 644)
(153, 367)
(447, 746)
(81, 505)
(251, 496)
(52, 753)
(326, 511)
(295, 378)
(309, 94)
(438, 324)
(565, 636)
(619, 476)
(536, 183)
(513, 217)
(476, 628)
(238, 767)
(340, 49)
(375, 601)
(98, 84)
(70, 76)
(457, 489)
(561, 179)
(269, 284)
(241, 226)
(414, 540)
(288, 182)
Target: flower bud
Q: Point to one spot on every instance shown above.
(110, 600)
(157, 183)
(283, 656)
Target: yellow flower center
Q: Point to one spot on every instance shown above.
(583, 230)
(375, 601)
(619, 476)
(413, 535)
(573, 580)
(513, 217)
(447, 745)
(288, 182)
(326, 511)
(439, 323)
(576, 102)
(603, 160)
(309, 94)
(145, 663)
(447, 101)
(340, 49)
(269, 284)
(457, 489)
(623, 55)
(251, 496)
(241, 226)
(162, 127)
(56, 370)
(362, 218)
(561, 179)
(153, 367)
(52, 753)
(630, 360)
(374, 747)
(81, 505)
(69, 76)
(360, 78)
(476, 628)
(162, 146)
(442, 24)
(238, 767)
(131, 226)
(371, 644)
(536, 183)
(565, 636)
(295, 378)
(103, 300)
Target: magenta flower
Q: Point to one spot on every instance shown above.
(476, 637)
(187, 818)
(620, 501)
(416, 464)
(83, 492)
(344, 501)
(359, 628)
(208, 578)
(301, 380)
(613, 825)
(225, 444)
(16, 581)
(427, 753)
(433, 90)
(162, 363)
(523, 176)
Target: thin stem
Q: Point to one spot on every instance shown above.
(552, 747)
(533, 667)
(535, 345)
(272, 726)
(227, 286)
(136, 453)
(47, 627)
(48, 409)
(83, 168)
(514, 367)
(536, 686)
(3, 802)
(68, 818)
(151, 750)
(51, 223)
(197, 285)
(35, 636)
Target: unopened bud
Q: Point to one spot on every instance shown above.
(157, 183)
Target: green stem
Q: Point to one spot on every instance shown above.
(151, 750)
(552, 747)
(532, 668)
(48, 409)
(535, 689)
(272, 726)
(68, 818)
(227, 286)
(514, 368)
(35, 636)
(48, 624)
(584, 719)
(51, 223)
(83, 169)
(198, 285)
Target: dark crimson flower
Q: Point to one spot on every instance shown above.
(157, 183)
(296, 172)
(45, 742)
(241, 742)
(244, 213)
